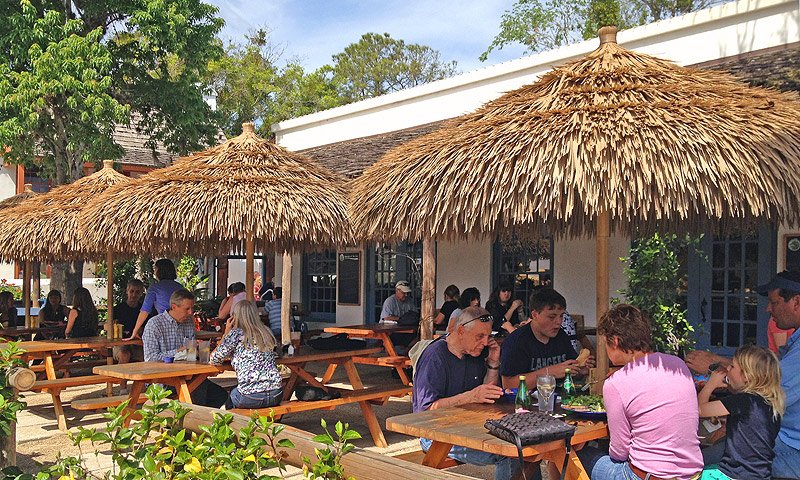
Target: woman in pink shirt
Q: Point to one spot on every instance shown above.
(651, 403)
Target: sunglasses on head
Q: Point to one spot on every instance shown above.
(487, 317)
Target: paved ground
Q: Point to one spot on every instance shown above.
(39, 441)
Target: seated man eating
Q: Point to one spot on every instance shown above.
(453, 370)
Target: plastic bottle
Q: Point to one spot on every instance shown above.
(568, 390)
(523, 401)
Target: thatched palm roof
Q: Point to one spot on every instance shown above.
(210, 203)
(26, 194)
(656, 145)
(45, 227)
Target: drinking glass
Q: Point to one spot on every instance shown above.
(545, 386)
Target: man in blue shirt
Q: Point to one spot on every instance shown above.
(453, 371)
(783, 293)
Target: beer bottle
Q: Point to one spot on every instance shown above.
(568, 390)
(523, 401)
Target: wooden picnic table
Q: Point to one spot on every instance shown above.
(56, 355)
(382, 332)
(463, 425)
(184, 376)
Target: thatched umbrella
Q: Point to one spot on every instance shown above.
(45, 227)
(9, 202)
(243, 194)
(614, 141)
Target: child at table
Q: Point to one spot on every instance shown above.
(754, 413)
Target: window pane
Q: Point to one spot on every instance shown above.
(717, 329)
(732, 335)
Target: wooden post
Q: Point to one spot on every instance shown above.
(249, 267)
(37, 283)
(601, 294)
(26, 292)
(286, 299)
(110, 294)
(428, 289)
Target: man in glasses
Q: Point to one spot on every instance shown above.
(454, 370)
(541, 347)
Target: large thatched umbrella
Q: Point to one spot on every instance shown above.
(614, 141)
(244, 194)
(45, 227)
(9, 202)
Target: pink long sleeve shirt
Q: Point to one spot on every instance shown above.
(653, 416)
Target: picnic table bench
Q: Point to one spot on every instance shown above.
(56, 356)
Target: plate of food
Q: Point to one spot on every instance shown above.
(586, 405)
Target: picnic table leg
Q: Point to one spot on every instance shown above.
(184, 394)
(373, 424)
(133, 399)
(575, 469)
(436, 454)
(389, 346)
(352, 374)
(329, 373)
(49, 366)
(59, 410)
(110, 385)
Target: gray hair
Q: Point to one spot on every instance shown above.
(469, 314)
(179, 295)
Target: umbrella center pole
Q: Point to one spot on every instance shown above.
(249, 266)
(601, 294)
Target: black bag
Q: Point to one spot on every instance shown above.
(309, 393)
(410, 318)
(336, 342)
(528, 428)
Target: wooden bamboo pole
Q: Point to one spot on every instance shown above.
(249, 266)
(26, 293)
(110, 294)
(428, 288)
(36, 273)
(601, 294)
(286, 299)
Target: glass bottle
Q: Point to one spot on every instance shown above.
(568, 390)
(523, 401)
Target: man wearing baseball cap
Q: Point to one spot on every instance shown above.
(398, 304)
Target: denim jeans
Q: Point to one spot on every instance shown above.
(787, 461)
(607, 469)
(505, 467)
(270, 398)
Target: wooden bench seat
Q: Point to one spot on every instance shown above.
(380, 395)
(73, 365)
(61, 383)
(99, 403)
(396, 361)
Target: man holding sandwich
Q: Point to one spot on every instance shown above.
(541, 347)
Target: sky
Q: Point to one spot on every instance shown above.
(312, 31)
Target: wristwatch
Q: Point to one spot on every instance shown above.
(491, 367)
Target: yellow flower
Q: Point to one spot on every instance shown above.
(164, 450)
(249, 458)
(193, 466)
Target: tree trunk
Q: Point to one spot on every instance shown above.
(66, 278)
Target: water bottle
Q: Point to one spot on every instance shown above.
(523, 401)
(568, 390)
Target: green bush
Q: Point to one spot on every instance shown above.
(7, 287)
(654, 278)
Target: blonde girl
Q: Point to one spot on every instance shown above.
(250, 345)
(754, 411)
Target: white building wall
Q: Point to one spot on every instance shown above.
(464, 264)
(575, 267)
(8, 188)
(722, 31)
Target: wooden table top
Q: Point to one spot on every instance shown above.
(463, 425)
(308, 354)
(144, 371)
(19, 331)
(207, 335)
(36, 346)
(367, 330)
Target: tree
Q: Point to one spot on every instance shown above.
(251, 86)
(70, 70)
(379, 64)
(546, 24)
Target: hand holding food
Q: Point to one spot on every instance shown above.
(583, 356)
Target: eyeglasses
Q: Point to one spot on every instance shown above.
(487, 317)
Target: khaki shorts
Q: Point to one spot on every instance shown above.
(136, 352)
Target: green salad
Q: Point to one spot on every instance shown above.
(587, 403)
